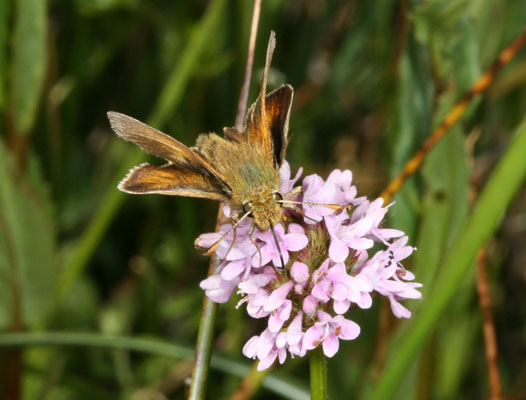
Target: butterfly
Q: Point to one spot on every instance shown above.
(241, 168)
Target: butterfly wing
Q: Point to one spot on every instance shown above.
(188, 173)
(267, 121)
(172, 179)
(277, 109)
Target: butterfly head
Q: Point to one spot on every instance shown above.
(265, 208)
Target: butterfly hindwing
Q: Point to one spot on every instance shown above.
(172, 179)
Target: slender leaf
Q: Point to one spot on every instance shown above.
(29, 62)
(276, 383)
(4, 24)
(27, 249)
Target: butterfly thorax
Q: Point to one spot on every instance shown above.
(251, 174)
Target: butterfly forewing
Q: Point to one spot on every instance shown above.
(277, 110)
(187, 174)
(267, 121)
(159, 144)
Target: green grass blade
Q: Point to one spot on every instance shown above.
(483, 221)
(27, 248)
(281, 385)
(29, 61)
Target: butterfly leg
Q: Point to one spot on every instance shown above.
(253, 240)
(234, 238)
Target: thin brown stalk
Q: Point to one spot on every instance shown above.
(490, 338)
(245, 89)
(250, 383)
(480, 85)
(207, 322)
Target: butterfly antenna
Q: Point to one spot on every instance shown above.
(300, 212)
(337, 207)
(279, 249)
(213, 248)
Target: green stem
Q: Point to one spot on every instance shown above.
(318, 374)
(208, 317)
(203, 350)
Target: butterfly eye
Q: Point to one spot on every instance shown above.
(247, 207)
(277, 196)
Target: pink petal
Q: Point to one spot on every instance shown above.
(295, 241)
(299, 272)
(391, 233)
(275, 322)
(365, 302)
(256, 282)
(285, 309)
(341, 307)
(323, 317)
(260, 298)
(282, 354)
(360, 243)
(312, 337)
(218, 290)
(250, 347)
(337, 272)
(265, 344)
(267, 361)
(284, 174)
(349, 330)
(409, 293)
(330, 345)
(207, 240)
(399, 310)
(278, 296)
(281, 340)
(294, 332)
(350, 194)
(233, 270)
(362, 283)
(321, 290)
(338, 251)
(362, 227)
(339, 291)
(296, 228)
(310, 304)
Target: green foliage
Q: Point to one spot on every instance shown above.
(371, 79)
(28, 262)
(29, 61)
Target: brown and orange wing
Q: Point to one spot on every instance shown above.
(188, 173)
(277, 108)
(267, 122)
(174, 180)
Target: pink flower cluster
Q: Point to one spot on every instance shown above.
(334, 259)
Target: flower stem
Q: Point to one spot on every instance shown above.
(203, 350)
(318, 374)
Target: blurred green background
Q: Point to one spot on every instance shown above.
(371, 81)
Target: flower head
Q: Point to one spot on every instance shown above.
(335, 259)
